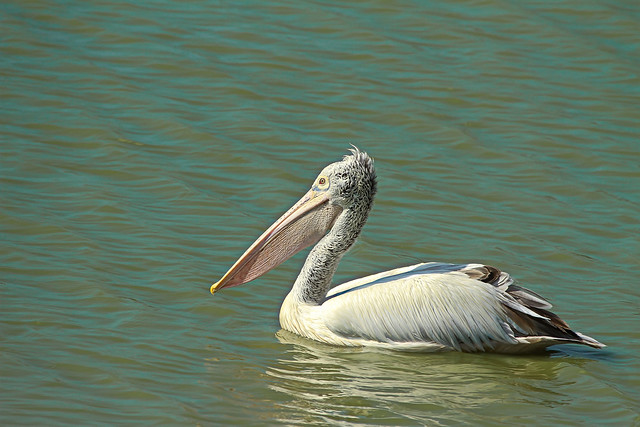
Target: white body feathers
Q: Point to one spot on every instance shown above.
(426, 307)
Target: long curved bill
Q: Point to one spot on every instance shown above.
(301, 226)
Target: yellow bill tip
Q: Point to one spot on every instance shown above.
(214, 288)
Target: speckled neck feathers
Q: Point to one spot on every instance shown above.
(354, 187)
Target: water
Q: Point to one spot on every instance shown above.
(144, 146)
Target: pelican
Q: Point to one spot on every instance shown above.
(425, 307)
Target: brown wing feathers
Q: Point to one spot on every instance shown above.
(546, 323)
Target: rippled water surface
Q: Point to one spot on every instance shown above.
(144, 145)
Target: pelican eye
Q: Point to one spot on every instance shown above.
(323, 183)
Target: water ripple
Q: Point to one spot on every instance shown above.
(144, 146)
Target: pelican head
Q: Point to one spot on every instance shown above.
(343, 189)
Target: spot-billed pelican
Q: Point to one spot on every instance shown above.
(424, 307)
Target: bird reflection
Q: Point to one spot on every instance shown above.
(328, 383)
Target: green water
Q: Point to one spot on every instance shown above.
(144, 145)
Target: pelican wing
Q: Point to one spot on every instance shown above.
(436, 303)
(467, 307)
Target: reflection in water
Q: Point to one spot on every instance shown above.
(333, 383)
